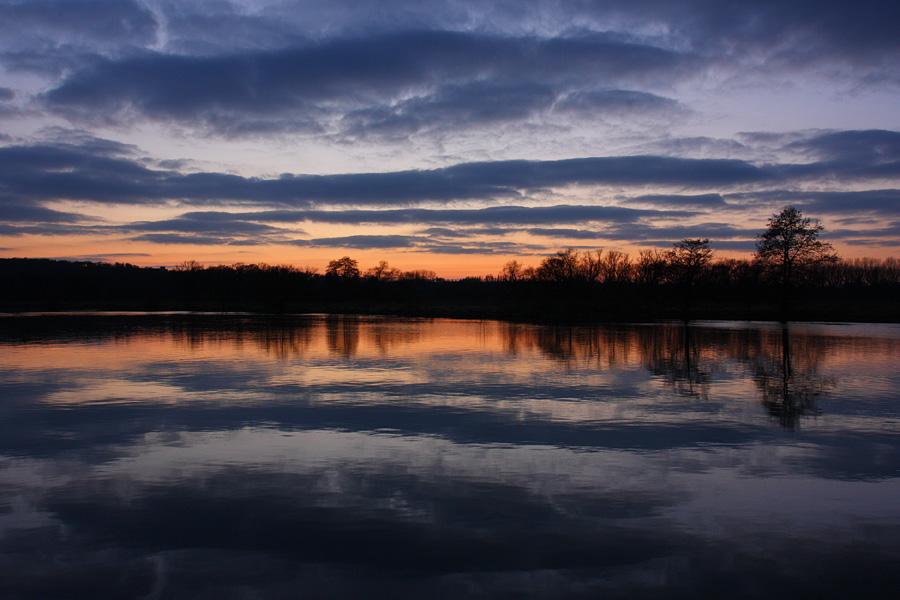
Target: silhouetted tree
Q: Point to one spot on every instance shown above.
(383, 272)
(344, 267)
(189, 265)
(688, 260)
(419, 275)
(562, 266)
(615, 266)
(512, 271)
(650, 267)
(790, 247)
(570, 265)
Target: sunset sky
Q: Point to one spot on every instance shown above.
(452, 136)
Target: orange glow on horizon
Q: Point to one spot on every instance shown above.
(449, 266)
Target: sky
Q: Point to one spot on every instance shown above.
(452, 136)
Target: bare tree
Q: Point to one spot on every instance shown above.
(650, 267)
(344, 267)
(688, 260)
(512, 271)
(570, 265)
(383, 272)
(790, 247)
(615, 267)
(189, 265)
(562, 266)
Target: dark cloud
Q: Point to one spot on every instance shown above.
(562, 233)
(178, 238)
(27, 213)
(883, 202)
(886, 230)
(199, 225)
(875, 147)
(48, 229)
(446, 232)
(788, 33)
(617, 102)
(65, 172)
(83, 21)
(197, 30)
(470, 104)
(443, 232)
(97, 172)
(6, 94)
(495, 215)
(644, 233)
(272, 84)
(471, 248)
(650, 235)
(82, 167)
(893, 243)
(698, 147)
(206, 229)
(360, 242)
(680, 201)
(797, 32)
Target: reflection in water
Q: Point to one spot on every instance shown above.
(677, 354)
(788, 381)
(183, 457)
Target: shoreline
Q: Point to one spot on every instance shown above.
(461, 313)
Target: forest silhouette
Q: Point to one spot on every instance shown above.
(569, 286)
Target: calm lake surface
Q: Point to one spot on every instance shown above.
(220, 457)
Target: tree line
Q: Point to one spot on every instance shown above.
(793, 274)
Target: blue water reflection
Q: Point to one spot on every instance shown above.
(201, 456)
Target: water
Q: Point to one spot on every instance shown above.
(175, 456)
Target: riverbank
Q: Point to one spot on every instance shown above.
(56, 286)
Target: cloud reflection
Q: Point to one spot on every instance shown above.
(345, 455)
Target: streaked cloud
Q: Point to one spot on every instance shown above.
(464, 127)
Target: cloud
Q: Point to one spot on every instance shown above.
(452, 106)
(27, 213)
(495, 215)
(721, 235)
(78, 166)
(360, 242)
(570, 234)
(200, 225)
(446, 232)
(60, 22)
(877, 202)
(672, 233)
(870, 147)
(99, 172)
(339, 74)
(198, 240)
(52, 228)
(707, 201)
(476, 247)
(418, 244)
(616, 102)
(796, 34)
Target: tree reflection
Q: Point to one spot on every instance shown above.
(682, 356)
(689, 359)
(788, 380)
(342, 335)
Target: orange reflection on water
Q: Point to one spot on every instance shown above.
(516, 369)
